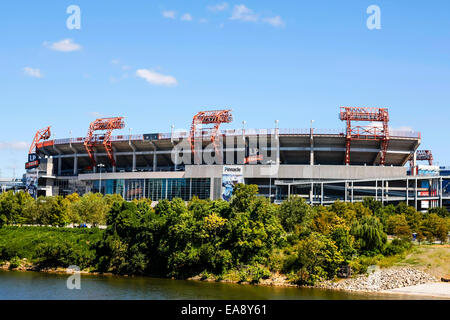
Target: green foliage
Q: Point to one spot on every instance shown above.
(245, 238)
(13, 207)
(293, 212)
(398, 225)
(254, 273)
(49, 246)
(369, 235)
(312, 259)
(440, 211)
(396, 246)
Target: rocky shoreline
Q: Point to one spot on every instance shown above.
(380, 280)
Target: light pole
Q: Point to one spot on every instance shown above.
(100, 166)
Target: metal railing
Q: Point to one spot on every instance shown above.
(237, 132)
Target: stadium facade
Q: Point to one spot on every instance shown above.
(320, 165)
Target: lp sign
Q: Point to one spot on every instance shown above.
(33, 161)
(32, 157)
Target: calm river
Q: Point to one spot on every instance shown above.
(35, 285)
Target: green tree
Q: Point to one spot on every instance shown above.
(91, 208)
(313, 259)
(244, 195)
(293, 211)
(369, 235)
(398, 225)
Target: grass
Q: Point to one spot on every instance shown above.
(433, 259)
(39, 243)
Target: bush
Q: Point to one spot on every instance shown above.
(254, 273)
(397, 246)
(312, 259)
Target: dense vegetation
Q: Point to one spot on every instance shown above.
(47, 247)
(245, 239)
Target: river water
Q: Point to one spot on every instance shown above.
(49, 286)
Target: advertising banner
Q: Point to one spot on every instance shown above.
(32, 183)
(231, 176)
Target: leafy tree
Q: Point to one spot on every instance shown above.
(244, 195)
(398, 225)
(440, 211)
(91, 208)
(293, 211)
(369, 235)
(312, 259)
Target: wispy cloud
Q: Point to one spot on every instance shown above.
(186, 17)
(242, 13)
(13, 145)
(96, 114)
(65, 45)
(156, 78)
(115, 61)
(35, 73)
(169, 14)
(275, 21)
(218, 7)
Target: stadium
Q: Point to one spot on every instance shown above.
(319, 165)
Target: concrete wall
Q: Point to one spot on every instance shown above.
(300, 172)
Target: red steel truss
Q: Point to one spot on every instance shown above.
(213, 117)
(422, 155)
(43, 134)
(105, 124)
(372, 132)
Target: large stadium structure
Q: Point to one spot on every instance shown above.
(320, 165)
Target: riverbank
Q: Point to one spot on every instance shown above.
(395, 281)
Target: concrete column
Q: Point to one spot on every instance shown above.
(407, 192)
(59, 165)
(155, 160)
(311, 193)
(440, 192)
(387, 190)
(211, 188)
(415, 193)
(382, 192)
(345, 191)
(376, 190)
(95, 158)
(75, 164)
(321, 193)
(311, 144)
(352, 191)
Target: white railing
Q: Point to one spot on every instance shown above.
(238, 132)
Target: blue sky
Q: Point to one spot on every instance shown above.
(159, 62)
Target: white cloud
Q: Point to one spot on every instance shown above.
(35, 73)
(186, 17)
(169, 14)
(115, 61)
(156, 78)
(65, 45)
(274, 21)
(14, 145)
(218, 7)
(96, 114)
(125, 67)
(241, 12)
